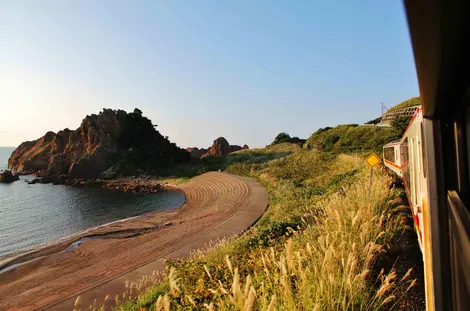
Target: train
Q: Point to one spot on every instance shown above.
(433, 156)
(406, 158)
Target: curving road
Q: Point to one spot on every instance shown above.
(217, 205)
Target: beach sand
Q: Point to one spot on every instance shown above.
(217, 205)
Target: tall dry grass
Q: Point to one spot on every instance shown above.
(325, 267)
(323, 264)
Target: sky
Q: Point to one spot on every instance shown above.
(242, 69)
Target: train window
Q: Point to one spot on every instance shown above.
(389, 154)
(411, 168)
(404, 161)
(423, 151)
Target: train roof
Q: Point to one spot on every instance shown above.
(441, 56)
(392, 144)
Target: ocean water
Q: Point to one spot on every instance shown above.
(33, 215)
(5, 153)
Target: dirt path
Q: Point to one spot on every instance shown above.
(217, 205)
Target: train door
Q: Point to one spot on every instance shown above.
(411, 168)
(419, 186)
(417, 168)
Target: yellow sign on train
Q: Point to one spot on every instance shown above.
(373, 160)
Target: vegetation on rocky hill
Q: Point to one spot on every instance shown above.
(414, 101)
(352, 138)
(361, 138)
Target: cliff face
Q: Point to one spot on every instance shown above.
(111, 138)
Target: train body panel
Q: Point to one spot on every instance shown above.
(406, 158)
(411, 166)
(413, 171)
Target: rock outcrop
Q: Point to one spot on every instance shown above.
(8, 177)
(220, 147)
(102, 144)
(197, 153)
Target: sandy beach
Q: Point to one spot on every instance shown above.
(217, 205)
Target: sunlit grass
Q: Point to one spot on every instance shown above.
(314, 249)
(176, 180)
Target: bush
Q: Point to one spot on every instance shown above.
(285, 138)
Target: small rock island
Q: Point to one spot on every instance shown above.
(8, 177)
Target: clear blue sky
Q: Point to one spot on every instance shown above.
(242, 69)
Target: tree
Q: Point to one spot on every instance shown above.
(138, 111)
(375, 121)
(281, 138)
(285, 138)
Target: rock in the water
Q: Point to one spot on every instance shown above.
(8, 177)
(102, 141)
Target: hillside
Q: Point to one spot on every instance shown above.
(357, 138)
(414, 101)
(352, 138)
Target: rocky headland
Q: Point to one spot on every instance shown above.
(106, 146)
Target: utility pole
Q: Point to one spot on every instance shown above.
(384, 109)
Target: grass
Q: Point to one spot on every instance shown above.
(314, 249)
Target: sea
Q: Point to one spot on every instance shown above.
(39, 214)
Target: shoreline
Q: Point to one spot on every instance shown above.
(63, 243)
(138, 185)
(218, 205)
